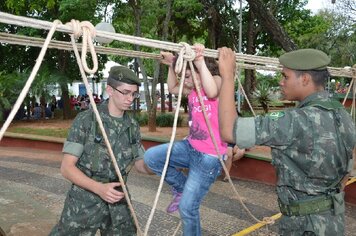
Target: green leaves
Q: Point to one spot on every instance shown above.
(263, 95)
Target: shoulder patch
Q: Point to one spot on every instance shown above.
(276, 115)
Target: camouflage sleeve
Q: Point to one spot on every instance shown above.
(74, 144)
(279, 129)
(274, 129)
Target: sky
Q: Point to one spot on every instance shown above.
(316, 5)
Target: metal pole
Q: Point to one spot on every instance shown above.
(239, 70)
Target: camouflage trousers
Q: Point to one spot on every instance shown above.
(85, 213)
(322, 224)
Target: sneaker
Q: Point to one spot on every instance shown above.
(173, 206)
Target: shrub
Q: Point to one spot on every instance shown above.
(167, 120)
(142, 118)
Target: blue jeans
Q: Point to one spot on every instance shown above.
(203, 171)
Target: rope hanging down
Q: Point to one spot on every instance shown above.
(100, 122)
(27, 86)
(80, 62)
(186, 53)
(88, 33)
(86, 29)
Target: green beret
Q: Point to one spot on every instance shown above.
(123, 74)
(305, 59)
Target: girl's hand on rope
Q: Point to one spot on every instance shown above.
(108, 193)
(167, 58)
(199, 50)
(227, 63)
(199, 58)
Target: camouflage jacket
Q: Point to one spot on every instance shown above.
(86, 142)
(311, 145)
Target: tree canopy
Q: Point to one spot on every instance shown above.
(270, 27)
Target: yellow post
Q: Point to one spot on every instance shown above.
(274, 217)
(256, 226)
(352, 180)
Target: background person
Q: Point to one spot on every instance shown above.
(311, 144)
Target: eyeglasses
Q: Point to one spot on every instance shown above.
(127, 93)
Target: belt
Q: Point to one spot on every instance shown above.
(306, 207)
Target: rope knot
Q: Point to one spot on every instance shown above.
(269, 220)
(82, 28)
(89, 27)
(185, 53)
(88, 31)
(353, 70)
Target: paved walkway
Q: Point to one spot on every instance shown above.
(32, 194)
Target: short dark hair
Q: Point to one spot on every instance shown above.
(319, 77)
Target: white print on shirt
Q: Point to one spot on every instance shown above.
(199, 108)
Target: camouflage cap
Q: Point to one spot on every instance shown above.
(124, 74)
(305, 59)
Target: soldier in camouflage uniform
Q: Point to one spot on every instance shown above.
(95, 200)
(312, 144)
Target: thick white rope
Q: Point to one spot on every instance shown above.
(29, 81)
(164, 171)
(187, 54)
(348, 91)
(87, 30)
(353, 87)
(28, 85)
(62, 45)
(244, 93)
(207, 121)
(93, 52)
(102, 129)
(247, 61)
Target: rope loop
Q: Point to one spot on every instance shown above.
(185, 53)
(88, 31)
(89, 27)
(269, 220)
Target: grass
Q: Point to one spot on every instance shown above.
(52, 132)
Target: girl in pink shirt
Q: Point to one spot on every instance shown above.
(197, 152)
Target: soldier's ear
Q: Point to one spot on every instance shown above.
(306, 79)
(109, 90)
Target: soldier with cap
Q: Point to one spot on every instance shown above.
(312, 144)
(95, 200)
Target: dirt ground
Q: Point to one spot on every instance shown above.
(161, 132)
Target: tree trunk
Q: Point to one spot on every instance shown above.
(65, 99)
(250, 77)
(163, 95)
(43, 105)
(170, 102)
(152, 111)
(164, 37)
(215, 27)
(62, 65)
(150, 100)
(271, 25)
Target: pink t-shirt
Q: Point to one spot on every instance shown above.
(199, 136)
